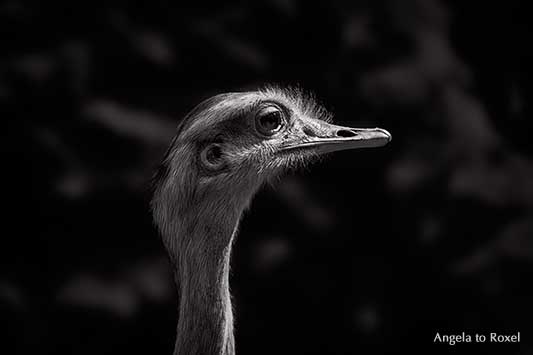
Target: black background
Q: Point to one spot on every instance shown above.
(370, 251)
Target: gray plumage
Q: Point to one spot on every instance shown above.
(223, 151)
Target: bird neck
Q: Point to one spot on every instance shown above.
(205, 324)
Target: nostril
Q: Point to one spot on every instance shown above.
(345, 133)
(309, 132)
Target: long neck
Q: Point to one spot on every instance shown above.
(205, 324)
(198, 221)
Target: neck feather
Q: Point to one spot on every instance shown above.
(198, 226)
(202, 264)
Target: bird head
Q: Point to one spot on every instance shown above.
(230, 144)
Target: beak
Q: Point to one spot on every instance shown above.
(322, 137)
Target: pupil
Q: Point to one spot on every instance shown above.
(271, 121)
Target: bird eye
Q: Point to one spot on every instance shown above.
(211, 157)
(269, 120)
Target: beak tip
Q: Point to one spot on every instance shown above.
(386, 133)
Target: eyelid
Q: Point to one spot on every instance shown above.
(269, 108)
(286, 113)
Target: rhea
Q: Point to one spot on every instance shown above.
(224, 150)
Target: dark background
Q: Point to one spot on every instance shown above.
(371, 251)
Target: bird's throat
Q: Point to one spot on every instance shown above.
(205, 324)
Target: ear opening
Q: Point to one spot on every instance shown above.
(212, 156)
